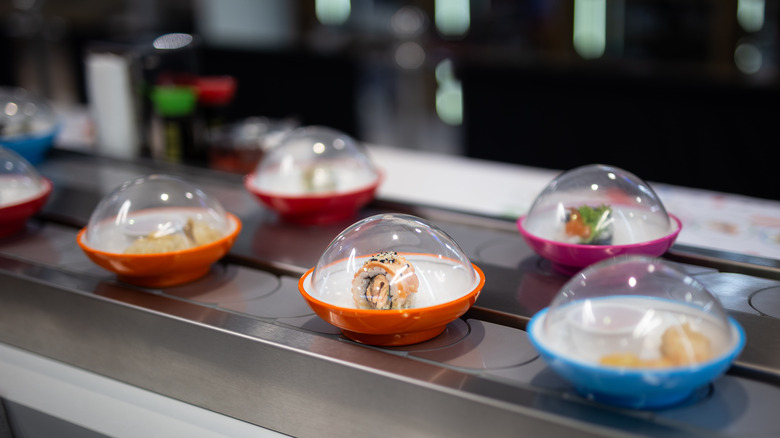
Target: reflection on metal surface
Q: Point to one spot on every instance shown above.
(726, 261)
(487, 346)
(228, 284)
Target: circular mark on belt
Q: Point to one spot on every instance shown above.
(767, 301)
(227, 284)
(508, 253)
(312, 323)
(284, 302)
(453, 333)
(487, 346)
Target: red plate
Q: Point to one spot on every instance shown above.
(13, 217)
(315, 209)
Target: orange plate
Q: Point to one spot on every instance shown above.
(163, 269)
(392, 327)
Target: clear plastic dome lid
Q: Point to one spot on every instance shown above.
(19, 180)
(24, 114)
(314, 160)
(637, 311)
(156, 214)
(392, 261)
(598, 205)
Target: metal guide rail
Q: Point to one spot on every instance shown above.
(243, 342)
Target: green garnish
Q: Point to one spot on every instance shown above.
(595, 218)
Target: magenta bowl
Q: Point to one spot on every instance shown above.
(569, 258)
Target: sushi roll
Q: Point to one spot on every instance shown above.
(385, 281)
(589, 226)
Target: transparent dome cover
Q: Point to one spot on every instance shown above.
(314, 160)
(19, 180)
(156, 214)
(636, 312)
(392, 261)
(598, 205)
(24, 114)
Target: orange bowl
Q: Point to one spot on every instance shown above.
(163, 269)
(395, 326)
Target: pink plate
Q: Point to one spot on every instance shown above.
(318, 208)
(569, 258)
(13, 217)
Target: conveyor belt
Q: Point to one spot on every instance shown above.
(242, 342)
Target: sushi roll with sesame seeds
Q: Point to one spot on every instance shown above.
(385, 281)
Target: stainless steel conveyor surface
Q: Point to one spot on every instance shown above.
(242, 342)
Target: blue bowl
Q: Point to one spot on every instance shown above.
(636, 388)
(32, 147)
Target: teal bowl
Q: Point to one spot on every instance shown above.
(33, 147)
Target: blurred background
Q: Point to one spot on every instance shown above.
(676, 91)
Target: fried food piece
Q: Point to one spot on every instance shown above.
(201, 233)
(154, 244)
(194, 233)
(631, 360)
(684, 346)
(680, 345)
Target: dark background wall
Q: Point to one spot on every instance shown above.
(667, 99)
(714, 136)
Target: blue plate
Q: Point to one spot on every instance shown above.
(636, 388)
(32, 147)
